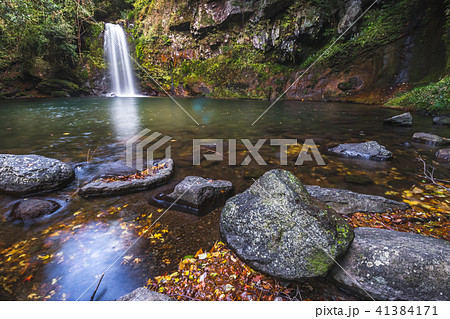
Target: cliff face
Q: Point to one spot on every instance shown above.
(258, 49)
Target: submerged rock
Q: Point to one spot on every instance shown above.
(430, 139)
(391, 265)
(22, 175)
(124, 185)
(277, 228)
(358, 179)
(369, 150)
(27, 209)
(441, 120)
(404, 119)
(347, 202)
(143, 294)
(199, 192)
(443, 155)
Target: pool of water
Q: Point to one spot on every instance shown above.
(60, 257)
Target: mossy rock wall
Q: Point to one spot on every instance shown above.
(257, 49)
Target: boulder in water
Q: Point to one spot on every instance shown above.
(22, 175)
(441, 120)
(404, 119)
(347, 202)
(27, 209)
(200, 193)
(369, 150)
(277, 228)
(430, 139)
(391, 265)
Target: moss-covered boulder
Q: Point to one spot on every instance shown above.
(277, 228)
(51, 85)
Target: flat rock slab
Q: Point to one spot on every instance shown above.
(27, 209)
(278, 229)
(430, 139)
(390, 265)
(404, 119)
(369, 150)
(22, 175)
(87, 172)
(129, 184)
(347, 202)
(143, 294)
(443, 155)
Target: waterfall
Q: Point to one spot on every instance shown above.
(119, 62)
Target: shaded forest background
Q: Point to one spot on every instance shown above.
(234, 49)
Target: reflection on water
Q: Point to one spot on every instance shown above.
(125, 117)
(199, 107)
(81, 257)
(59, 256)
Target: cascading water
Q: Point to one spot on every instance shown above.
(119, 62)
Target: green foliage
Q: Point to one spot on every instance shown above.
(93, 55)
(111, 9)
(433, 97)
(44, 28)
(380, 26)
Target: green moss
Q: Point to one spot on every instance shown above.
(379, 27)
(319, 263)
(433, 97)
(48, 86)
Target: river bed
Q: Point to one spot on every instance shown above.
(61, 256)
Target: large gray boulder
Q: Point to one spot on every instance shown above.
(143, 294)
(124, 185)
(369, 150)
(27, 209)
(404, 119)
(277, 228)
(430, 139)
(198, 192)
(390, 265)
(347, 202)
(22, 175)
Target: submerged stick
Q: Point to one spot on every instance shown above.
(95, 291)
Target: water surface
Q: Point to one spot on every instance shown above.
(59, 257)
